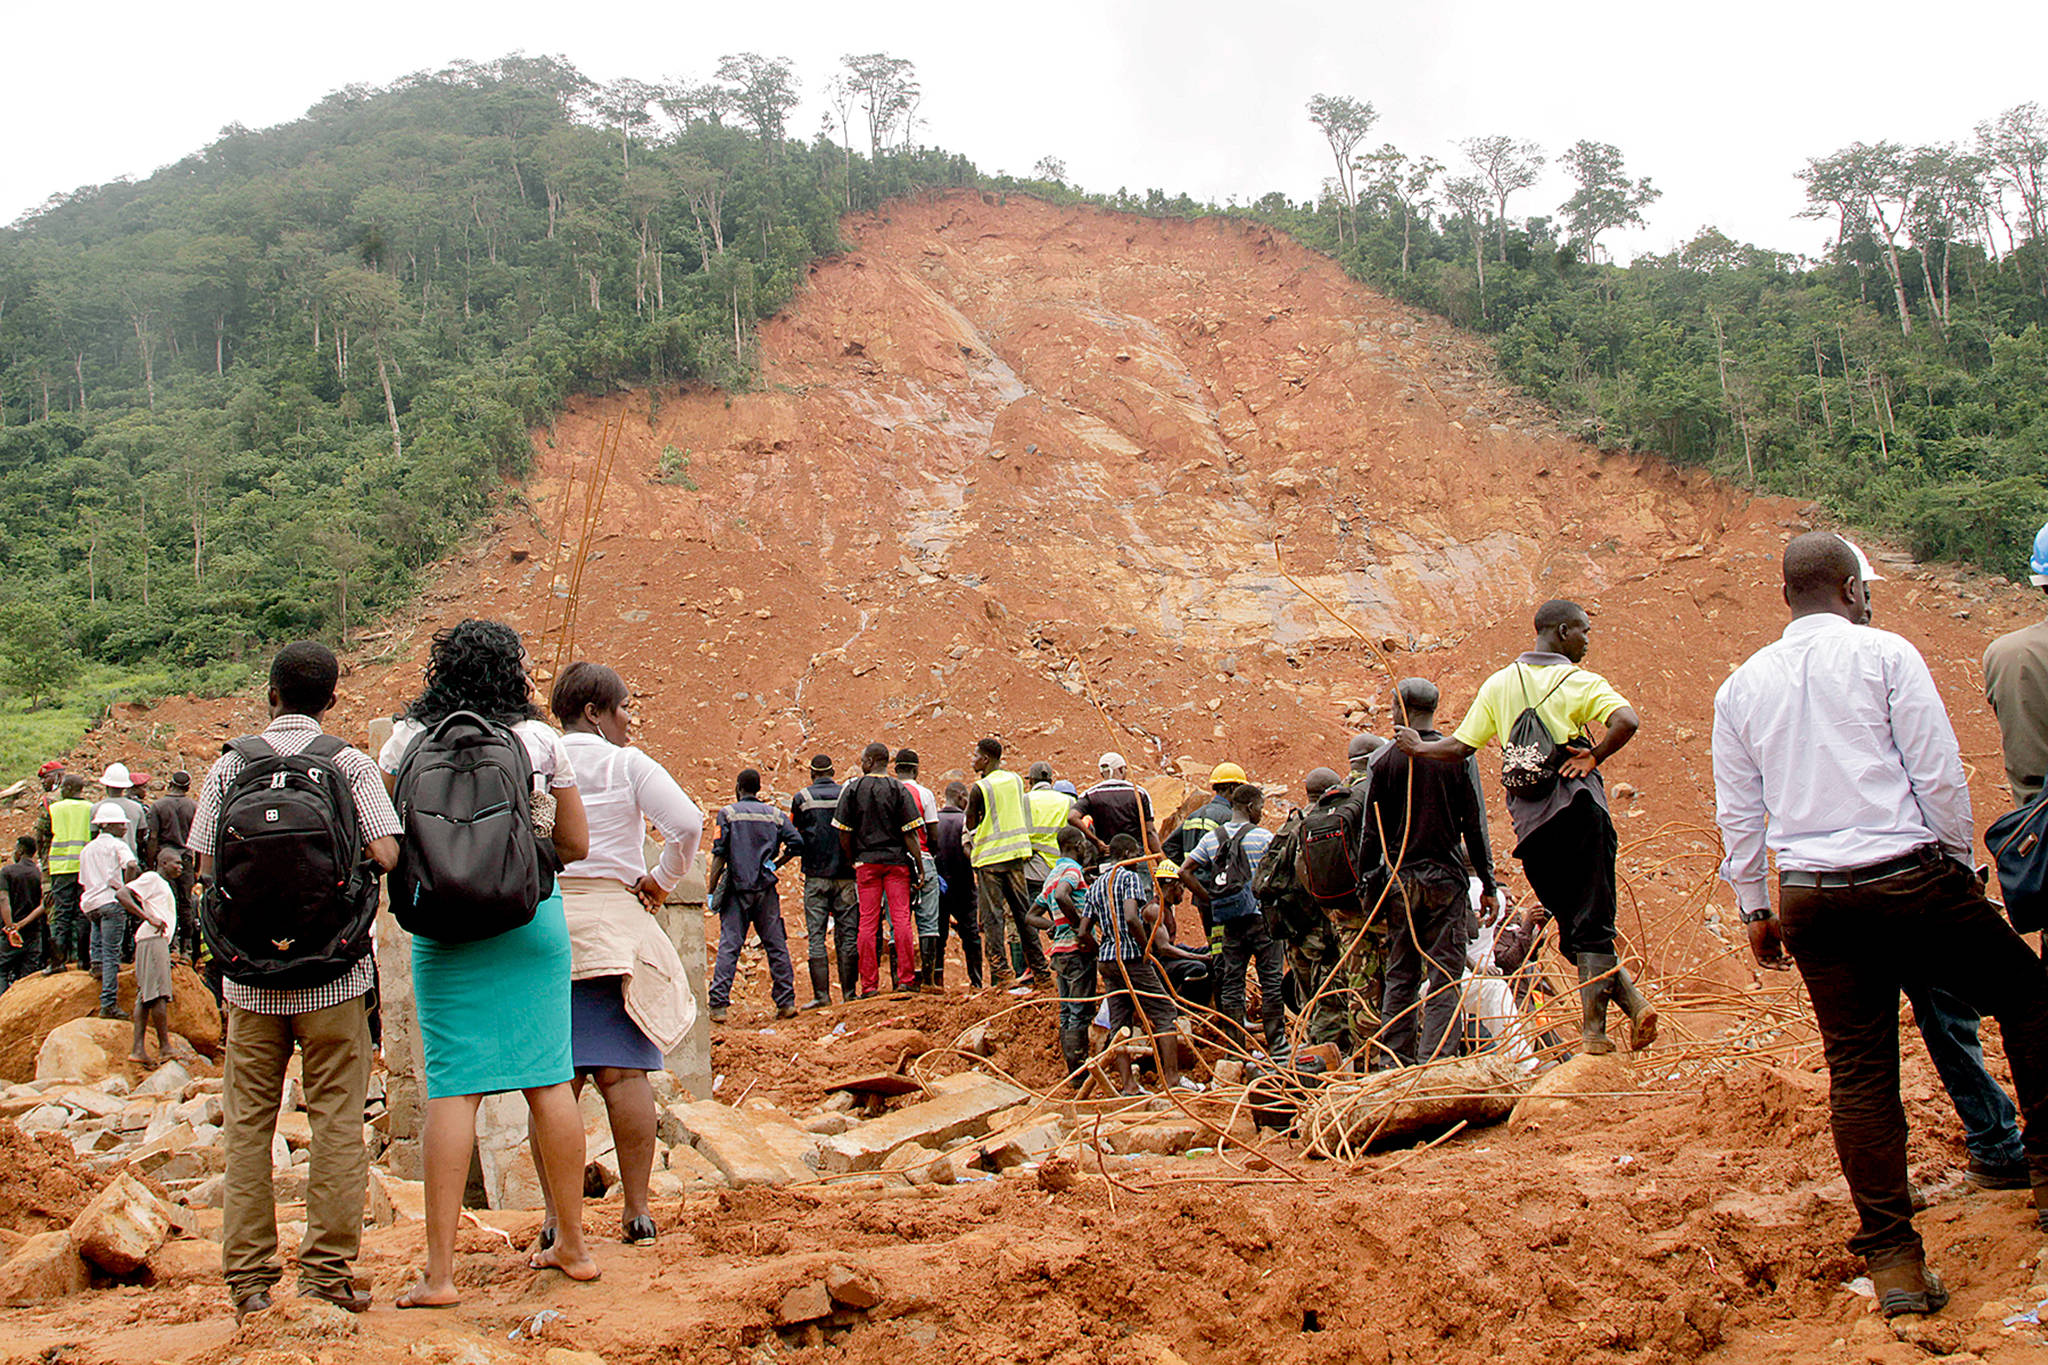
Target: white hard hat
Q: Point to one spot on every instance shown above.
(1869, 574)
(109, 813)
(1111, 762)
(116, 775)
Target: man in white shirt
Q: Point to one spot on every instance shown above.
(1832, 749)
(103, 868)
(152, 900)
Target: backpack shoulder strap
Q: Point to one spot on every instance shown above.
(1562, 679)
(328, 747)
(250, 747)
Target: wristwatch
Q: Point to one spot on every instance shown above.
(1758, 916)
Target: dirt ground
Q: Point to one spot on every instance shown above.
(1037, 472)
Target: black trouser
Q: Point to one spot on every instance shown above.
(1569, 863)
(1428, 928)
(1857, 948)
(999, 891)
(15, 963)
(957, 912)
(1246, 941)
(70, 934)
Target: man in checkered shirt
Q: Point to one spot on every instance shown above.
(329, 1023)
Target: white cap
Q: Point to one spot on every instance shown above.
(1870, 575)
(116, 775)
(1112, 762)
(109, 813)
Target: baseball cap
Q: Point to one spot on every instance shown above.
(1869, 574)
(139, 778)
(1111, 761)
(116, 775)
(108, 813)
(55, 765)
(2038, 566)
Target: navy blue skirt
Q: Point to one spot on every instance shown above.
(601, 1033)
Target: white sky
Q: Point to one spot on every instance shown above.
(1719, 104)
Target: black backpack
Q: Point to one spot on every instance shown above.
(1528, 755)
(1325, 866)
(469, 864)
(293, 901)
(1228, 879)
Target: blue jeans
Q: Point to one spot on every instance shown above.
(107, 925)
(1990, 1120)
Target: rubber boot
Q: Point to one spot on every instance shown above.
(1074, 1051)
(928, 962)
(938, 962)
(1595, 988)
(1642, 1015)
(821, 985)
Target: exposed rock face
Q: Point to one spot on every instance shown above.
(36, 1005)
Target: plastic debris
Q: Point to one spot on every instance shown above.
(2032, 1317)
(1861, 1285)
(531, 1329)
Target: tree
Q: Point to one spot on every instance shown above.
(1506, 166)
(1867, 184)
(36, 659)
(1343, 122)
(1606, 198)
(764, 90)
(1403, 185)
(886, 89)
(1050, 168)
(2016, 143)
(623, 104)
(1468, 195)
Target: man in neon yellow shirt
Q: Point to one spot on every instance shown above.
(1563, 834)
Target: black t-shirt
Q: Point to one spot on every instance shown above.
(1118, 807)
(876, 809)
(24, 889)
(171, 820)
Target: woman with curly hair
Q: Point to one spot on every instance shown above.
(629, 1002)
(494, 1012)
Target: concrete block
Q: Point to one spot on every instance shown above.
(510, 1181)
(45, 1118)
(731, 1142)
(122, 1226)
(296, 1129)
(92, 1102)
(959, 1110)
(46, 1266)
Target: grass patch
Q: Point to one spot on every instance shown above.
(28, 737)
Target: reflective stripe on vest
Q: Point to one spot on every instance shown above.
(1004, 834)
(70, 831)
(1049, 810)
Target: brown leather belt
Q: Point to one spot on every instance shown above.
(1860, 876)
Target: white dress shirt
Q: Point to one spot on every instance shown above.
(623, 791)
(1832, 748)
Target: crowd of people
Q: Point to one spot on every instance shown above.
(1369, 926)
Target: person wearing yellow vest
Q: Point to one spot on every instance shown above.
(61, 835)
(1048, 809)
(999, 831)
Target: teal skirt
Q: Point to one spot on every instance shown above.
(494, 1013)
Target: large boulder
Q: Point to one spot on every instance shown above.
(46, 1266)
(122, 1227)
(1572, 1086)
(36, 1005)
(87, 1050)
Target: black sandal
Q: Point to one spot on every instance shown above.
(641, 1232)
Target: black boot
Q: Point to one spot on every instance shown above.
(1074, 1051)
(821, 985)
(933, 977)
(1596, 986)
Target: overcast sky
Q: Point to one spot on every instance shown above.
(1719, 104)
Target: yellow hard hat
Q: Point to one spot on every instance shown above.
(1226, 772)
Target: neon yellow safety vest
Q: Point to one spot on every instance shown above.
(70, 831)
(1004, 834)
(1049, 810)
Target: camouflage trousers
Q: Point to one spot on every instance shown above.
(1347, 1012)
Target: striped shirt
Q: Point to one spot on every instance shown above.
(290, 734)
(1105, 906)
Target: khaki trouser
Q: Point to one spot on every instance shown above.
(335, 1043)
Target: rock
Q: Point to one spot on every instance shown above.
(46, 1266)
(805, 1303)
(169, 1079)
(297, 1130)
(85, 1050)
(907, 1156)
(510, 1182)
(37, 1006)
(45, 1118)
(853, 1288)
(1057, 1175)
(122, 1226)
(207, 1194)
(1163, 1137)
(563, 1355)
(737, 1147)
(377, 1209)
(185, 1259)
(828, 1125)
(696, 1172)
(958, 1110)
(1554, 1093)
(92, 1103)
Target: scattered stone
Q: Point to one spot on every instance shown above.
(46, 1266)
(1057, 1175)
(828, 1125)
(207, 1194)
(736, 1146)
(185, 1259)
(45, 1118)
(122, 1226)
(1163, 1137)
(169, 1079)
(805, 1303)
(852, 1288)
(958, 1110)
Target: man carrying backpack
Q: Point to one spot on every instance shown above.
(330, 799)
(1539, 708)
(1336, 948)
(1218, 873)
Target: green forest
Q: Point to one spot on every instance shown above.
(255, 394)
